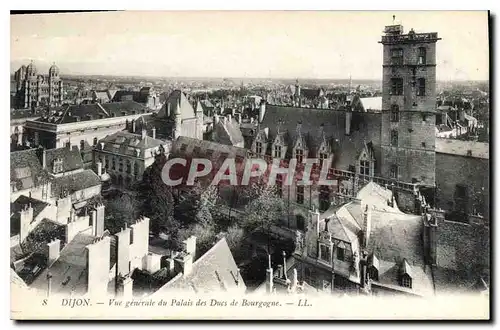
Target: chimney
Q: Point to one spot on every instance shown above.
(42, 156)
(189, 245)
(216, 118)
(153, 134)
(262, 111)
(251, 120)
(53, 249)
(133, 126)
(279, 272)
(124, 287)
(367, 224)
(98, 266)
(49, 284)
(123, 252)
(99, 168)
(269, 277)
(26, 217)
(238, 118)
(99, 220)
(143, 133)
(294, 280)
(314, 216)
(153, 262)
(348, 119)
(229, 117)
(185, 261)
(363, 263)
(102, 145)
(284, 266)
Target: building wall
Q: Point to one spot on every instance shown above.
(473, 173)
(412, 129)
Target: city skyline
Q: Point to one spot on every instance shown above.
(274, 45)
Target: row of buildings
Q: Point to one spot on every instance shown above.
(380, 228)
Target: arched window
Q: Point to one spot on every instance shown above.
(395, 113)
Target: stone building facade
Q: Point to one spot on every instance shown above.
(33, 89)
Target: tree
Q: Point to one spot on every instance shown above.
(265, 210)
(120, 211)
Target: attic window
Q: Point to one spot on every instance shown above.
(299, 154)
(258, 148)
(341, 251)
(277, 151)
(57, 166)
(364, 167)
(325, 252)
(406, 281)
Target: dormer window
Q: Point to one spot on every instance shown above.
(277, 151)
(341, 249)
(406, 275)
(406, 281)
(364, 167)
(299, 154)
(58, 166)
(258, 147)
(325, 252)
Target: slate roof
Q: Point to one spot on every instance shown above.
(178, 102)
(72, 159)
(18, 205)
(228, 132)
(23, 114)
(463, 148)
(136, 96)
(209, 149)
(371, 103)
(26, 170)
(75, 182)
(365, 127)
(94, 111)
(126, 143)
(72, 264)
(390, 274)
(215, 270)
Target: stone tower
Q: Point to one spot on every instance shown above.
(408, 103)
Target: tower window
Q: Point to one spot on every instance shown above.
(277, 151)
(421, 87)
(397, 86)
(394, 138)
(258, 147)
(300, 194)
(299, 153)
(394, 171)
(422, 52)
(324, 198)
(395, 113)
(397, 56)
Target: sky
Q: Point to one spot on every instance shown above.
(279, 44)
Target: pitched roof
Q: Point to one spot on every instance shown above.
(228, 132)
(463, 148)
(72, 159)
(214, 270)
(69, 271)
(26, 171)
(177, 102)
(129, 107)
(185, 146)
(123, 95)
(126, 143)
(371, 103)
(19, 204)
(365, 127)
(75, 182)
(102, 96)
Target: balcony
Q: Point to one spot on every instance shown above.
(410, 38)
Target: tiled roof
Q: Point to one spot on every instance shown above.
(126, 143)
(365, 127)
(211, 150)
(229, 132)
(75, 182)
(25, 169)
(463, 148)
(214, 270)
(72, 265)
(18, 205)
(72, 160)
(178, 102)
